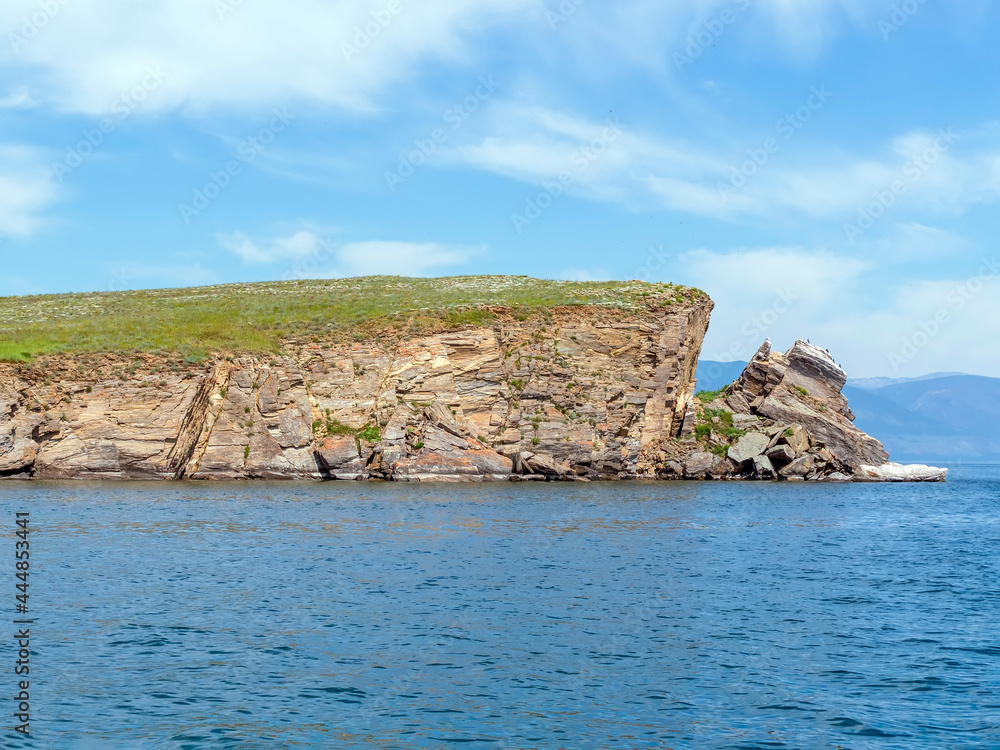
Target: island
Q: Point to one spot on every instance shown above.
(462, 379)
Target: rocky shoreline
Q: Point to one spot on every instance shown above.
(577, 393)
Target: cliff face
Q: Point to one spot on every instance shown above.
(576, 393)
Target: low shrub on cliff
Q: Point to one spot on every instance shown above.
(708, 397)
(707, 424)
(371, 434)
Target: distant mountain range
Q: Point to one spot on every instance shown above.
(943, 417)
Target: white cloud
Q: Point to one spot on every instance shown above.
(927, 326)
(914, 241)
(311, 254)
(779, 293)
(87, 53)
(603, 160)
(26, 190)
(301, 244)
(90, 52)
(649, 33)
(874, 322)
(642, 170)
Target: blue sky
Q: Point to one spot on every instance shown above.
(825, 169)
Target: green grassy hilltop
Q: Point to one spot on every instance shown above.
(256, 317)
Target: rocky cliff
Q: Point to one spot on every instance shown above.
(785, 417)
(413, 380)
(573, 392)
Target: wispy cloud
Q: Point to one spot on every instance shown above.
(867, 318)
(647, 170)
(301, 244)
(252, 53)
(346, 54)
(313, 253)
(26, 190)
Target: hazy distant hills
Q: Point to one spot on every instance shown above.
(870, 384)
(943, 417)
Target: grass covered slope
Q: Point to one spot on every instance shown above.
(257, 317)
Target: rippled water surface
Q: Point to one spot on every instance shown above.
(574, 616)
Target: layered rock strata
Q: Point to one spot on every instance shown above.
(785, 417)
(572, 393)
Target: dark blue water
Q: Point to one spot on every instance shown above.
(574, 616)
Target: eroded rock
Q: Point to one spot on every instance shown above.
(890, 472)
(339, 457)
(748, 447)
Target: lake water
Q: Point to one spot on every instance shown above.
(627, 615)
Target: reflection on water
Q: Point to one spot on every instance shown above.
(512, 616)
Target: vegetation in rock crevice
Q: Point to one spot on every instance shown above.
(717, 423)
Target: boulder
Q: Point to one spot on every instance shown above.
(722, 468)
(738, 403)
(454, 466)
(890, 472)
(699, 465)
(780, 455)
(543, 464)
(748, 447)
(836, 477)
(800, 467)
(847, 442)
(796, 437)
(441, 417)
(673, 470)
(744, 421)
(774, 431)
(762, 467)
(384, 460)
(824, 455)
(339, 458)
(17, 451)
